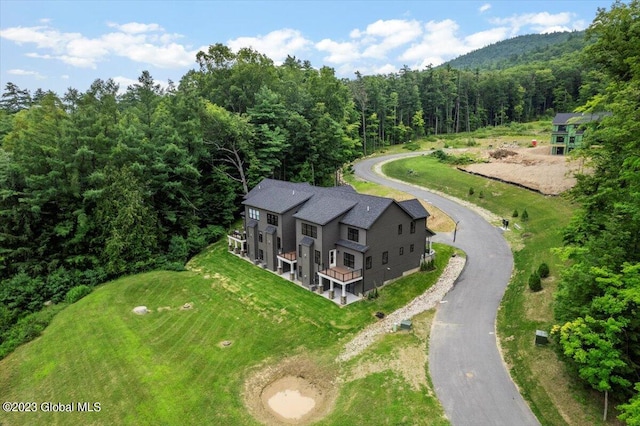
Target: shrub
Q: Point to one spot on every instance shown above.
(543, 270)
(481, 195)
(77, 293)
(471, 191)
(525, 215)
(534, 282)
(515, 213)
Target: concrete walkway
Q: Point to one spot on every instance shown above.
(466, 367)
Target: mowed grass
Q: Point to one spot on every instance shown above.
(168, 367)
(553, 395)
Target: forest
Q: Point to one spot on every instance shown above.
(102, 183)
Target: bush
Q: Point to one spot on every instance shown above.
(534, 282)
(77, 293)
(525, 215)
(481, 195)
(515, 213)
(471, 191)
(543, 270)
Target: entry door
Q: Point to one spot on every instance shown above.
(332, 258)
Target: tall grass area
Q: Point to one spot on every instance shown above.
(555, 398)
(168, 366)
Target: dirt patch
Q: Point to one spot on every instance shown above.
(296, 391)
(534, 168)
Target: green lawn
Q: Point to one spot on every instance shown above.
(554, 396)
(168, 367)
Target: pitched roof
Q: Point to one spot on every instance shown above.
(321, 205)
(323, 208)
(577, 117)
(415, 209)
(277, 199)
(352, 245)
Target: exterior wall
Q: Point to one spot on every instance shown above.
(271, 250)
(286, 231)
(305, 264)
(383, 236)
(565, 138)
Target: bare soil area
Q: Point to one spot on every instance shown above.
(296, 391)
(534, 168)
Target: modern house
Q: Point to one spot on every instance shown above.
(332, 239)
(568, 130)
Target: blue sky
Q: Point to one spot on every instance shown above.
(55, 45)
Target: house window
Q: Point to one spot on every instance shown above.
(349, 260)
(300, 250)
(261, 254)
(368, 262)
(401, 251)
(352, 234)
(560, 139)
(572, 139)
(254, 214)
(412, 228)
(562, 128)
(259, 237)
(411, 248)
(316, 257)
(272, 219)
(309, 230)
(385, 257)
(279, 243)
(399, 229)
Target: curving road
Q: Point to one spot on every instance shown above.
(465, 364)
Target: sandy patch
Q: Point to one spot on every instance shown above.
(296, 391)
(534, 168)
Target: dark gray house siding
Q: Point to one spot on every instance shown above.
(305, 224)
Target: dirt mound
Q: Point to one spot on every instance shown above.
(501, 153)
(296, 391)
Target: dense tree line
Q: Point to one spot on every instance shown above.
(598, 301)
(98, 184)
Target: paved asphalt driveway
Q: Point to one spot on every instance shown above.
(466, 368)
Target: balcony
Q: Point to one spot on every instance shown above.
(237, 241)
(288, 257)
(342, 275)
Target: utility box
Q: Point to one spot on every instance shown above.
(542, 338)
(405, 325)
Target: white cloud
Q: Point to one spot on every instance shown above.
(339, 53)
(543, 22)
(484, 8)
(391, 34)
(135, 27)
(144, 43)
(26, 73)
(276, 45)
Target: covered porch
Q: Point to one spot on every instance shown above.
(343, 277)
(291, 259)
(238, 242)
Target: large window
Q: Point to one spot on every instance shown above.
(349, 260)
(369, 262)
(272, 219)
(309, 230)
(254, 214)
(385, 257)
(353, 234)
(412, 228)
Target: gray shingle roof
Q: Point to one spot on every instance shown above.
(414, 208)
(353, 246)
(321, 205)
(307, 241)
(322, 208)
(277, 199)
(577, 118)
